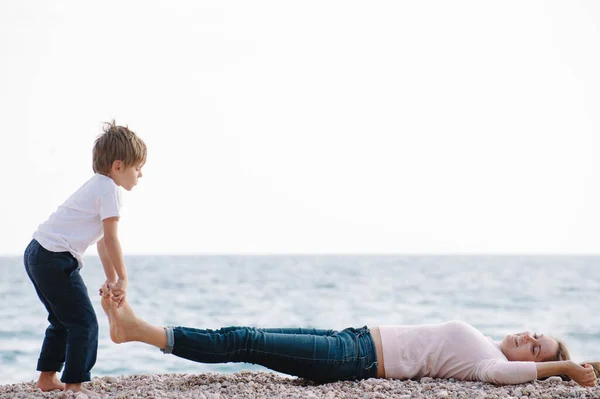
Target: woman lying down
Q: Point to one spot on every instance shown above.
(448, 350)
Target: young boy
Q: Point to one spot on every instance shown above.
(54, 257)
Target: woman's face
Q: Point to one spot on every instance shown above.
(528, 347)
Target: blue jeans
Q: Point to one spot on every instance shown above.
(317, 355)
(72, 336)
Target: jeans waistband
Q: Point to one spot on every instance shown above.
(370, 352)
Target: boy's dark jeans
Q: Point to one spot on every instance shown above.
(72, 336)
(317, 355)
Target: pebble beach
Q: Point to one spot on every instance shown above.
(248, 384)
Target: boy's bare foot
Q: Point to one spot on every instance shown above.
(48, 381)
(78, 388)
(124, 324)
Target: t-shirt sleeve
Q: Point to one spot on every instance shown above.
(506, 372)
(110, 203)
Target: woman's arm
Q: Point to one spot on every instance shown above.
(584, 376)
(503, 372)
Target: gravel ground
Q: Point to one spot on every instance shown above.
(248, 384)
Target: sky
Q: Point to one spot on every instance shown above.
(384, 127)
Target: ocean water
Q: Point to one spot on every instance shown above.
(556, 295)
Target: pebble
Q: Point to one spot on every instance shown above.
(257, 385)
(529, 389)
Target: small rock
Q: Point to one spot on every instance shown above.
(529, 389)
(442, 394)
(518, 392)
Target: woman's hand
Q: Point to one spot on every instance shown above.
(584, 376)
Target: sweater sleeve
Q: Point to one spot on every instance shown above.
(506, 372)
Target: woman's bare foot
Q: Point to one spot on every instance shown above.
(48, 381)
(124, 324)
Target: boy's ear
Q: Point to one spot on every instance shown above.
(117, 165)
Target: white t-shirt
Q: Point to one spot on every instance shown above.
(77, 223)
(449, 350)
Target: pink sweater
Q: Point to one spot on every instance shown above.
(449, 350)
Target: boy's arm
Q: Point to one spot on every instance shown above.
(115, 256)
(109, 269)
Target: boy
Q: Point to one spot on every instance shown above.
(54, 257)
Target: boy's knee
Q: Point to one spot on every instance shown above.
(87, 331)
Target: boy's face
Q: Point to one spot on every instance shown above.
(126, 177)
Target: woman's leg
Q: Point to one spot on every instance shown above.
(125, 326)
(327, 356)
(316, 357)
(299, 330)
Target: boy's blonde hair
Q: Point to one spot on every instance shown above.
(117, 143)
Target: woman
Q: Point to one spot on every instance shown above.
(448, 350)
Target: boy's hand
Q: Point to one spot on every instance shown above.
(105, 288)
(118, 290)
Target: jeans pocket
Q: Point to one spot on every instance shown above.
(66, 262)
(70, 270)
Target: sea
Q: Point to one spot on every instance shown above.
(555, 295)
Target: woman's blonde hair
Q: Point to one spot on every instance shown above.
(117, 143)
(562, 353)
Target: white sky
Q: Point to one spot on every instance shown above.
(313, 126)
